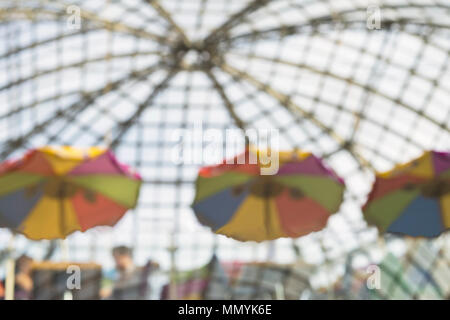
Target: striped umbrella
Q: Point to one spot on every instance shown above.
(54, 191)
(414, 198)
(235, 200)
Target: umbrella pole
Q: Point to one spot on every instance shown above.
(382, 245)
(279, 291)
(271, 251)
(326, 265)
(173, 271)
(10, 271)
(63, 242)
(64, 250)
(271, 244)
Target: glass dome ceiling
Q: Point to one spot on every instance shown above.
(134, 71)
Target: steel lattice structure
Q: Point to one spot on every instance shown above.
(134, 71)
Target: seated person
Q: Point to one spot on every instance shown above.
(130, 282)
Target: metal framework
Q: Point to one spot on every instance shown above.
(134, 71)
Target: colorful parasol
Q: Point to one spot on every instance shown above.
(235, 200)
(414, 198)
(54, 191)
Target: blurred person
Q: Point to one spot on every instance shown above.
(123, 258)
(2, 291)
(129, 282)
(23, 282)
